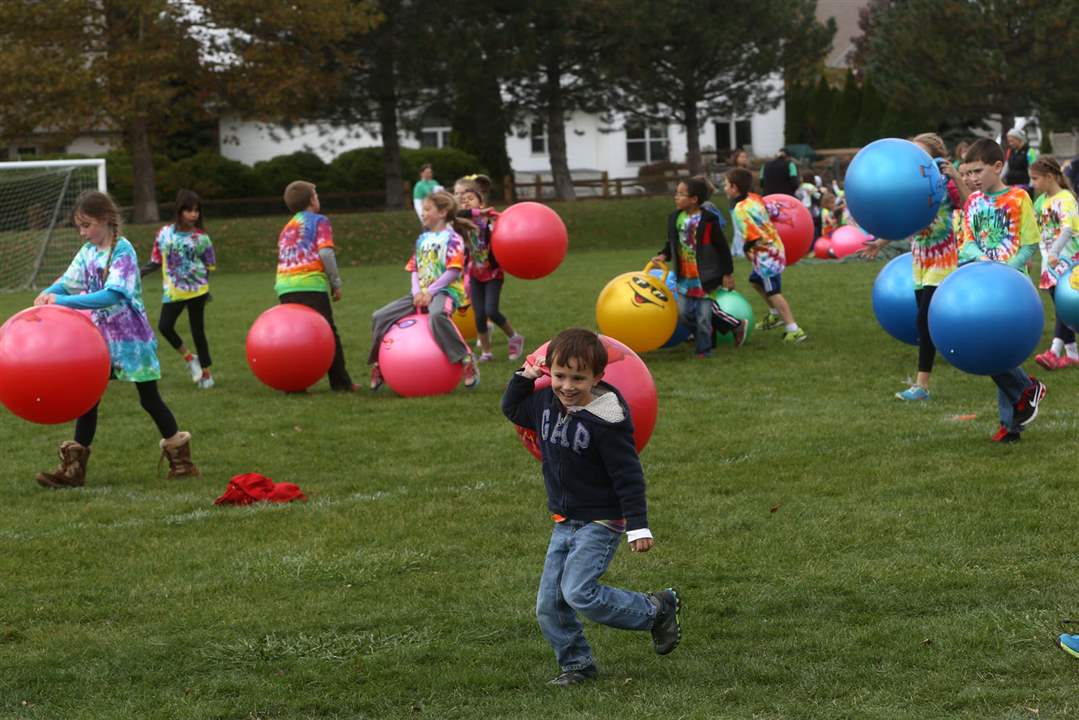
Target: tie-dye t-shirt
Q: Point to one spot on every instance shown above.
(186, 259)
(753, 224)
(437, 252)
(1053, 214)
(299, 268)
(481, 264)
(934, 249)
(996, 224)
(131, 341)
(689, 275)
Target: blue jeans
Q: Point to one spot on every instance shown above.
(697, 313)
(1010, 386)
(577, 557)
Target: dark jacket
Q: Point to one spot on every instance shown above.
(590, 465)
(776, 177)
(1018, 164)
(713, 249)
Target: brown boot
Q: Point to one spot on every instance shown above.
(178, 453)
(72, 470)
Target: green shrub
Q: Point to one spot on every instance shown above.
(361, 170)
(276, 173)
(211, 176)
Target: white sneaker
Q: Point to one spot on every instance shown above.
(206, 383)
(195, 369)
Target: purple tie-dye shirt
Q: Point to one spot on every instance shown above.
(186, 259)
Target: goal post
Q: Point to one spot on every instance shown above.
(37, 236)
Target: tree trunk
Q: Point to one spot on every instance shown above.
(391, 151)
(144, 193)
(556, 136)
(693, 138)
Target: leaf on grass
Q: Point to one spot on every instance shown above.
(964, 418)
(775, 508)
(927, 642)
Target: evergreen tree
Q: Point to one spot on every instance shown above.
(844, 115)
(870, 115)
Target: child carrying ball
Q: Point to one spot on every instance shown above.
(763, 248)
(436, 267)
(184, 254)
(104, 277)
(596, 496)
(999, 226)
(1058, 221)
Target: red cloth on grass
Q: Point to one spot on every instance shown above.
(251, 487)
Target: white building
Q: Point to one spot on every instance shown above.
(592, 147)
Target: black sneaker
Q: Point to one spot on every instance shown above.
(575, 677)
(1027, 407)
(667, 628)
(1003, 436)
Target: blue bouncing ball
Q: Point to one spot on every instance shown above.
(1067, 299)
(894, 303)
(681, 332)
(893, 188)
(986, 318)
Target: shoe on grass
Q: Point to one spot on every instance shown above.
(516, 346)
(1027, 407)
(195, 369)
(667, 627)
(1004, 436)
(377, 380)
(1049, 360)
(472, 373)
(769, 322)
(206, 382)
(798, 336)
(739, 333)
(914, 392)
(1069, 644)
(486, 357)
(575, 677)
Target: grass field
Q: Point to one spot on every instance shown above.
(841, 555)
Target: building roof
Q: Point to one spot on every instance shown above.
(845, 13)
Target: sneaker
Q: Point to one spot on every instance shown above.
(1002, 435)
(739, 333)
(575, 677)
(769, 322)
(798, 336)
(1027, 407)
(472, 373)
(376, 379)
(486, 357)
(479, 344)
(195, 369)
(516, 346)
(1050, 360)
(1067, 362)
(667, 628)
(1069, 644)
(205, 383)
(914, 392)
(704, 355)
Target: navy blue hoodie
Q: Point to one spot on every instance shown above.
(590, 465)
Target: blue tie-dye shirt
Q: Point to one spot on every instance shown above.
(186, 259)
(131, 341)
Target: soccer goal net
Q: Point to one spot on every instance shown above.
(37, 236)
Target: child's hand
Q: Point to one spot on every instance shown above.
(335, 294)
(533, 371)
(872, 249)
(728, 282)
(421, 299)
(1053, 260)
(45, 299)
(490, 212)
(659, 259)
(642, 544)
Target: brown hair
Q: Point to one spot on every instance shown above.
(581, 345)
(936, 146)
(478, 185)
(188, 200)
(446, 203)
(741, 179)
(426, 166)
(299, 194)
(1049, 165)
(984, 150)
(98, 206)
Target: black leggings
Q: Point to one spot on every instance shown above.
(1060, 330)
(485, 296)
(320, 303)
(927, 351)
(170, 313)
(149, 398)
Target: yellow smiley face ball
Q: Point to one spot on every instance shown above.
(638, 310)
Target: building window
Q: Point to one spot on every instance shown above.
(538, 132)
(647, 143)
(733, 134)
(435, 137)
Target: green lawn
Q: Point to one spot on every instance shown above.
(841, 555)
